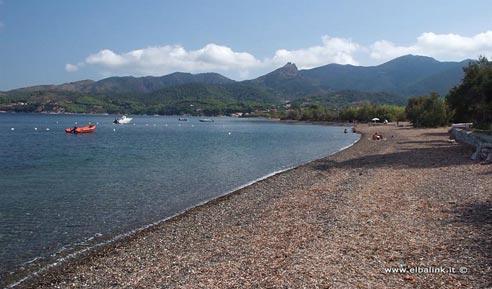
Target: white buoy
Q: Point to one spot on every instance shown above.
(76, 122)
(229, 133)
(35, 128)
(12, 129)
(47, 129)
(114, 129)
(97, 122)
(165, 124)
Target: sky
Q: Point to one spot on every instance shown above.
(56, 41)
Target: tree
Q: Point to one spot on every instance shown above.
(471, 101)
(427, 111)
(366, 112)
(293, 114)
(401, 115)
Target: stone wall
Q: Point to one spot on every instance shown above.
(481, 142)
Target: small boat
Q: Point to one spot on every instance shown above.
(206, 120)
(182, 119)
(84, 129)
(123, 119)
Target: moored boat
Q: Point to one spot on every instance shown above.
(123, 119)
(84, 129)
(206, 120)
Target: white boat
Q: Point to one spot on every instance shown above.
(123, 119)
(206, 120)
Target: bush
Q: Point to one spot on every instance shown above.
(471, 101)
(293, 114)
(367, 112)
(427, 111)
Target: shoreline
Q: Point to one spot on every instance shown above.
(302, 226)
(79, 255)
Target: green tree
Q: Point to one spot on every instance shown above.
(471, 101)
(349, 113)
(366, 112)
(401, 115)
(293, 114)
(427, 111)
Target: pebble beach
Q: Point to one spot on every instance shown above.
(408, 211)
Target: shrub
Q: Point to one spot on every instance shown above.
(427, 111)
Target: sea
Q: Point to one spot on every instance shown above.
(62, 193)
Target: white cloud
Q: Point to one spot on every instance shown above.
(166, 59)
(160, 60)
(440, 46)
(385, 50)
(333, 50)
(108, 58)
(223, 57)
(71, 67)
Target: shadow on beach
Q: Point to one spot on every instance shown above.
(478, 214)
(438, 134)
(479, 217)
(436, 154)
(431, 142)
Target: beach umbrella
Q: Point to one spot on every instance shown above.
(375, 119)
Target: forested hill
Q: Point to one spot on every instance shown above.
(130, 84)
(332, 85)
(401, 77)
(404, 76)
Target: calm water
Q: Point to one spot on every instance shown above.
(60, 192)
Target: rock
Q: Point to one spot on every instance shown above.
(488, 160)
(475, 155)
(487, 146)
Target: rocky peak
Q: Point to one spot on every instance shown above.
(287, 71)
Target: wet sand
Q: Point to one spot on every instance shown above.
(413, 200)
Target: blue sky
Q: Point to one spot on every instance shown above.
(56, 41)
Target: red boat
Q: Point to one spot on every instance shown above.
(84, 129)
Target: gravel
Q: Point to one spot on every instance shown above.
(412, 200)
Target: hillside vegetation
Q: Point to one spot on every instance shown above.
(332, 86)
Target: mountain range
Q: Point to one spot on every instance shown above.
(332, 85)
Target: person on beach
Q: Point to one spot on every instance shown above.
(377, 136)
